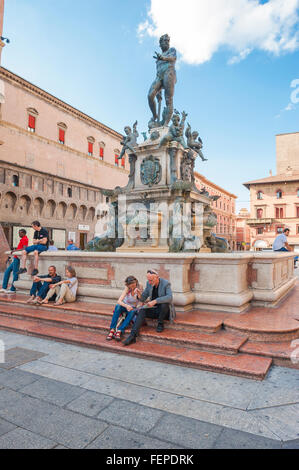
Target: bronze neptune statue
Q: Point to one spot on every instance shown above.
(165, 80)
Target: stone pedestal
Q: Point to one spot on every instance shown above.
(159, 185)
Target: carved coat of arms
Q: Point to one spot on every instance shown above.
(150, 171)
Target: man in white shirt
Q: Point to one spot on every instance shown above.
(281, 243)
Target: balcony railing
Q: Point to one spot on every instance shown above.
(263, 221)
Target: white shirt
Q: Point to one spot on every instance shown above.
(279, 242)
(73, 286)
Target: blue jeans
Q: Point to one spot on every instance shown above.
(39, 248)
(14, 268)
(284, 249)
(40, 289)
(119, 310)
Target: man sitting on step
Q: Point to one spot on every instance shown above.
(158, 290)
(41, 285)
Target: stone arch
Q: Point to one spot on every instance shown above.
(91, 214)
(61, 210)
(50, 209)
(38, 205)
(24, 204)
(9, 201)
(82, 213)
(71, 211)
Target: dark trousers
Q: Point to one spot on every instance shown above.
(159, 312)
(40, 289)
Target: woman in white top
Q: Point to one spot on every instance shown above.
(65, 291)
(126, 304)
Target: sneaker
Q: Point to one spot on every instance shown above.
(160, 328)
(3, 291)
(11, 292)
(22, 271)
(34, 272)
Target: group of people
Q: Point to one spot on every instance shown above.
(134, 305)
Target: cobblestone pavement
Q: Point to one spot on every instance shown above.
(55, 395)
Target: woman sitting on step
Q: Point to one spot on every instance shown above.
(126, 305)
(65, 291)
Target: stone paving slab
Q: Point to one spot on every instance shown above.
(130, 415)
(118, 438)
(199, 384)
(230, 439)
(22, 439)
(52, 371)
(273, 395)
(291, 444)
(186, 432)
(5, 427)
(62, 426)
(16, 356)
(282, 420)
(16, 378)
(55, 392)
(90, 403)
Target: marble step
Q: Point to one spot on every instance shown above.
(218, 342)
(241, 365)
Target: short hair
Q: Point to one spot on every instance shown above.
(51, 242)
(152, 271)
(286, 230)
(70, 240)
(71, 270)
(166, 37)
(52, 266)
(22, 230)
(36, 223)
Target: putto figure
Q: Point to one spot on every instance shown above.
(194, 144)
(130, 140)
(165, 79)
(176, 130)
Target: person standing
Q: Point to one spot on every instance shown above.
(40, 244)
(14, 265)
(52, 247)
(158, 290)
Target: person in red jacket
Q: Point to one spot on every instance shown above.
(14, 265)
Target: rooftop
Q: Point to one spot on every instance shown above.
(275, 179)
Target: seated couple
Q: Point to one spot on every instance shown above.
(155, 302)
(50, 286)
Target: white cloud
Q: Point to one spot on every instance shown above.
(199, 28)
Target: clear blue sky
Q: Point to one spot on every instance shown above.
(90, 55)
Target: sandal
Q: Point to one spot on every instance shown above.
(110, 336)
(117, 336)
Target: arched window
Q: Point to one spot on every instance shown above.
(279, 194)
(15, 180)
(259, 195)
(259, 213)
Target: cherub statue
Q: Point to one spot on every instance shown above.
(194, 144)
(129, 141)
(176, 130)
